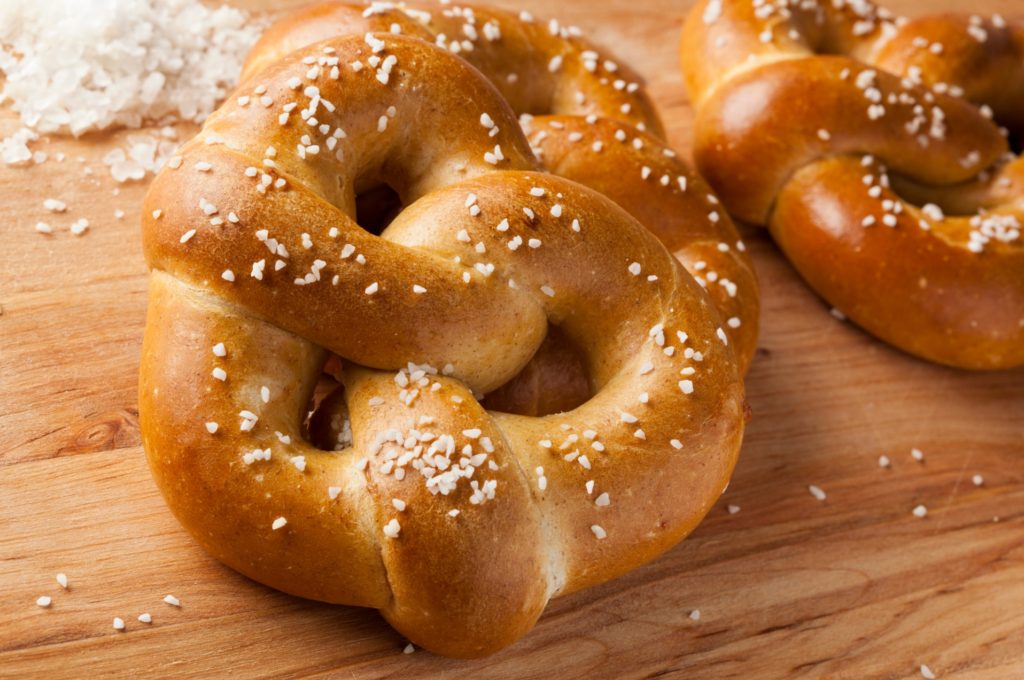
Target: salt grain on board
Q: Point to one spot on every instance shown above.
(14, 149)
(143, 155)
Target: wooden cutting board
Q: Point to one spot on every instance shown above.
(854, 586)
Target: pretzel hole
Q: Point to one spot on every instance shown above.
(1016, 140)
(326, 412)
(377, 207)
(327, 425)
(959, 201)
(1013, 123)
(554, 381)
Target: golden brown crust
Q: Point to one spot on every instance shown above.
(836, 124)
(458, 523)
(988, 71)
(211, 490)
(975, 306)
(540, 67)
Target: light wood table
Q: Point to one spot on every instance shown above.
(788, 586)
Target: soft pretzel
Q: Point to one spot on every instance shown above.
(458, 523)
(870, 146)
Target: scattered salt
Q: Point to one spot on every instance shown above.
(144, 154)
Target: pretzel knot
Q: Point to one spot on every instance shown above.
(456, 522)
(871, 147)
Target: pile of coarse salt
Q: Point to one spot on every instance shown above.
(76, 66)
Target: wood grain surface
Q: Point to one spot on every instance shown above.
(854, 586)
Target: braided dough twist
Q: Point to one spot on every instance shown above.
(458, 523)
(870, 146)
